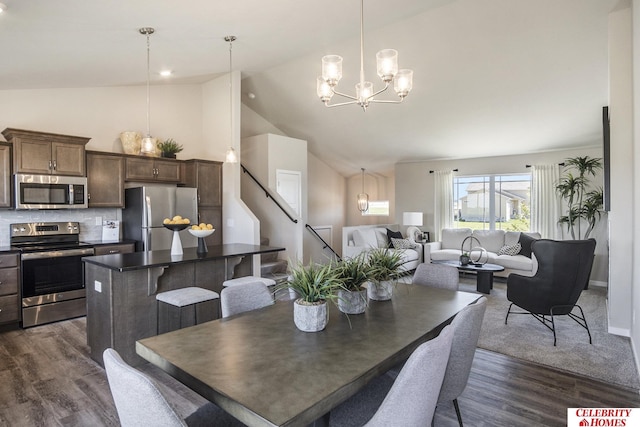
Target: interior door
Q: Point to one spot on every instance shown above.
(289, 187)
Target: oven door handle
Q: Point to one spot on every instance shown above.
(56, 254)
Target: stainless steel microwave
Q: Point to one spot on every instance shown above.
(50, 192)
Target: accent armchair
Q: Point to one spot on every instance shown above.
(564, 268)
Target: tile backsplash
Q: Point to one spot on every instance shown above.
(90, 220)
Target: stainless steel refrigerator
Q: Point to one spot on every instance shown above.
(146, 208)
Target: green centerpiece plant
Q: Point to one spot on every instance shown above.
(384, 270)
(315, 284)
(352, 274)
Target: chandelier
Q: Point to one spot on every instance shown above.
(363, 198)
(387, 65)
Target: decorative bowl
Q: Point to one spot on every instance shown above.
(176, 227)
(201, 233)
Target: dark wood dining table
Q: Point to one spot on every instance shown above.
(261, 369)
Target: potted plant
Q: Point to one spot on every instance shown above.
(384, 269)
(168, 148)
(583, 203)
(352, 274)
(314, 284)
(464, 258)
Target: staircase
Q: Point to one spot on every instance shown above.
(272, 267)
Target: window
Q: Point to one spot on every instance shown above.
(377, 208)
(492, 202)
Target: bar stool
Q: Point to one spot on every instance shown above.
(184, 307)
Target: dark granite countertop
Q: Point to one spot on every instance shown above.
(8, 249)
(140, 260)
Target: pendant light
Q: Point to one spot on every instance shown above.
(363, 198)
(231, 156)
(148, 145)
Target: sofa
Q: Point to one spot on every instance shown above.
(358, 239)
(509, 249)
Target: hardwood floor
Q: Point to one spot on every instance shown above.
(48, 379)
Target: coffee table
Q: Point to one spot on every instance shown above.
(484, 273)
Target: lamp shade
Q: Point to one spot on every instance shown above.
(412, 218)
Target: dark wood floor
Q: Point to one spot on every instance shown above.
(48, 379)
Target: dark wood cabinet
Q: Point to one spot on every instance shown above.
(146, 169)
(5, 175)
(47, 153)
(206, 176)
(9, 294)
(105, 180)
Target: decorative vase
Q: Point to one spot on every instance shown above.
(380, 291)
(352, 302)
(464, 260)
(131, 142)
(310, 317)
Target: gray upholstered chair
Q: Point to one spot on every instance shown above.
(466, 331)
(244, 297)
(437, 276)
(139, 402)
(412, 399)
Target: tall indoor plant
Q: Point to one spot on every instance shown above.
(584, 203)
(352, 274)
(315, 284)
(384, 269)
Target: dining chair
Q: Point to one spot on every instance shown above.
(437, 275)
(139, 401)
(466, 331)
(412, 399)
(244, 297)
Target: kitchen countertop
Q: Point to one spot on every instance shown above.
(142, 260)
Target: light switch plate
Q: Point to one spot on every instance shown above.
(98, 286)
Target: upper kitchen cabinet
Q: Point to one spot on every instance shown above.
(47, 153)
(5, 175)
(150, 169)
(105, 180)
(206, 176)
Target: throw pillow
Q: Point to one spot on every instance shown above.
(393, 234)
(526, 241)
(510, 250)
(401, 243)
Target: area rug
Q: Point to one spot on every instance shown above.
(609, 358)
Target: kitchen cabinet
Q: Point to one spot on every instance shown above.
(105, 180)
(9, 295)
(149, 169)
(5, 175)
(114, 248)
(47, 153)
(206, 176)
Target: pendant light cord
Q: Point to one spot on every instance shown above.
(148, 97)
(361, 44)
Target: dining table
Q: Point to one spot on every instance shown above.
(261, 369)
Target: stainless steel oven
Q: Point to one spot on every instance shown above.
(52, 271)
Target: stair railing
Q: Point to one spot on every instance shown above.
(268, 194)
(326, 245)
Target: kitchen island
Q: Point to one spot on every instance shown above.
(121, 289)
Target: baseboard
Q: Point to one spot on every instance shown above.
(623, 332)
(598, 283)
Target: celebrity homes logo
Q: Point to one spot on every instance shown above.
(603, 417)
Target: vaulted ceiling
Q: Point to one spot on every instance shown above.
(491, 77)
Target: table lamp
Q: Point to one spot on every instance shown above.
(413, 220)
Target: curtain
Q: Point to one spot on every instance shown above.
(545, 203)
(443, 203)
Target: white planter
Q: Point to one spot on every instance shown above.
(380, 291)
(310, 317)
(352, 302)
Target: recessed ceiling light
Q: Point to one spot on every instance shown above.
(166, 73)
(3, 7)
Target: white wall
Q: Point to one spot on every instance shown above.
(415, 188)
(621, 214)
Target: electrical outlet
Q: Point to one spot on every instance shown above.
(231, 222)
(98, 220)
(98, 286)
